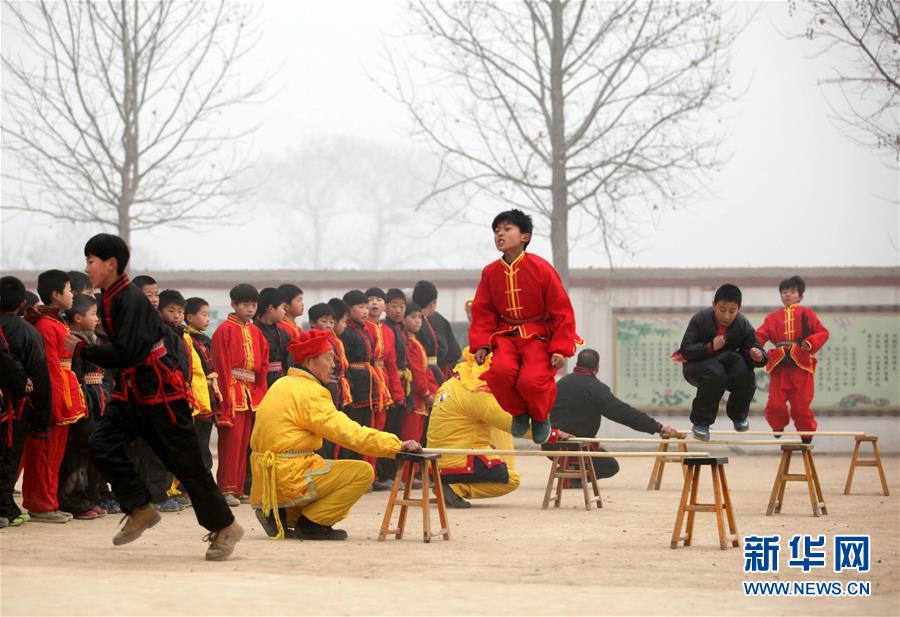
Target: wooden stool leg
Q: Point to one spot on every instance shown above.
(582, 461)
(554, 463)
(656, 473)
(717, 500)
(815, 476)
(807, 471)
(884, 484)
(442, 507)
(679, 515)
(695, 486)
(682, 447)
(389, 510)
(593, 476)
(776, 486)
(563, 464)
(426, 502)
(787, 470)
(409, 473)
(726, 496)
(853, 460)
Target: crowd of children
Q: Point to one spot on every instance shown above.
(385, 376)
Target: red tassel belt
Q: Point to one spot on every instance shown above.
(93, 379)
(244, 375)
(432, 360)
(66, 364)
(275, 367)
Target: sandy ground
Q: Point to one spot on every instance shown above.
(506, 557)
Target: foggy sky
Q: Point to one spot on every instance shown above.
(795, 191)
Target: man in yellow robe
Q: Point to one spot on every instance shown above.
(466, 415)
(292, 485)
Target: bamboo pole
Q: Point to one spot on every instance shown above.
(558, 453)
(673, 441)
(792, 433)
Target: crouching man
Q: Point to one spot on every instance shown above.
(293, 486)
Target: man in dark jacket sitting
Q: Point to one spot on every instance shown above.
(582, 401)
(719, 350)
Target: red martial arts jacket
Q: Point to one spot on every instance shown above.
(385, 358)
(290, 327)
(797, 334)
(241, 358)
(423, 381)
(67, 403)
(527, 297)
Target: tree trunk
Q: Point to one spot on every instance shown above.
(559, 219)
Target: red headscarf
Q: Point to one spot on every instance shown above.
(309, 344)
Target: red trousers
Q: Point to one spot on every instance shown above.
(41, 460)
(521, 377)
(233, 444)
(413, 427)
(794, 386)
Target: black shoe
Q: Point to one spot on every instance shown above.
(742, 426)
(382, 485)
(452, 500)
(268, 522)
(701, 432)
(807, 439)
(540, 431)
(308, 530)
(520, 425)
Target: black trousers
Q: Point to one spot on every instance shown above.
(153, 472)
(176, 445)
(386, 468)
(77, 475)
(204, 433)
(712, 377)
(363, 417)
(603, 467)
(10, 456)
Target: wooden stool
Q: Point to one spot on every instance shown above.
(427, 463)
(721, 501)
(583, 470)
(659, 464)
(875, 462)
(810, 476)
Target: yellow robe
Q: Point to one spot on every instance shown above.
(294, 416)
(199, 384)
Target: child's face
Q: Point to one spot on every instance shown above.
(376, 307)
(63, 300)
(200, 319)
(87, 322)
(102, 272)
(172, 314)
(413, 322)
(340, 325)
(469, 310)
(790, 296)
(359, 312)
(244, 310)
(274, 314)
(324, 323)
(508, 237)
(395, 310)
(726, 311)
(152, 293)
(295, 307)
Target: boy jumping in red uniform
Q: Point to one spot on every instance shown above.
(522, 313)
(797, 334)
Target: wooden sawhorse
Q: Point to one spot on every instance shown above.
(721, 505)
(405, 474)
(809, 475)
(874, 462)
(583, 470)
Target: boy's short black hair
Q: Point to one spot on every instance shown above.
(80, 282)
(515, 217)
(194, 305)
(794, 282)
(269, 297)
(411, 308)
(107, 246)
(339, 307)
(318, 311)
(170, 296)
(50, 281)
(290, 291)
(376, 292)
(31, 298)
(244, 292)
(12, 293)
(143, 280)
(728, 293)
(588, 359)
(80, 305)
(395, 294)
(355, 297)
(424, 293)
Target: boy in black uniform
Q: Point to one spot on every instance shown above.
(151, 400)
(361, 372)
(196, 317)
(27, 412)
(719, 351)
(270, 312)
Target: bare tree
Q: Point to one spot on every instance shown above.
(116, 111)
(582, 112)
(868, 30)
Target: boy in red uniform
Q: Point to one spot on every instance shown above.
(423, 386)
(522, 313)
(43, 457)
(241, 356)
(150, 400)
(294, 310)
(797, 334)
